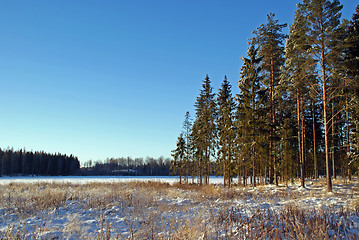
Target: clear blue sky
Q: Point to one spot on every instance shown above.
(112, 78)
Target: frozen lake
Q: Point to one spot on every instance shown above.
(90, 179)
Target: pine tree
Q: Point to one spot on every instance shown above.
(226, 133)
(317, 134)
(297, 78)
(351, 66)
(270, 41)
(204, 131)
(324, 20)
(251, 114)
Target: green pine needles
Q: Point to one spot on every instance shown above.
(296, 111)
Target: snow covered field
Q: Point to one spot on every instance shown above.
(160, 208)
(100, 179)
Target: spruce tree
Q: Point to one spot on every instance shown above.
(178, 155)
(270, 39)
(226, 133)
(251, 112)
(204, 131)
(187, 128)
(288, 147)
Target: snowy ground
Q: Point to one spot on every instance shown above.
(134, 208)
(100, 179)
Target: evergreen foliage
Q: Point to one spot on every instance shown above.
(204, 131)
(296, 113)
(252, 114)
(324, 21)
(178, 163)
(26, 163)
(270, 39)
(124, 166)
(226, 132)
(351, 68)
(298, 80)
(188, 164)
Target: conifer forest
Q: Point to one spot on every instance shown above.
(27, 163)
(296, 114)
(273, 154)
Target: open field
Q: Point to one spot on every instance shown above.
(160, 209)
(95, 179)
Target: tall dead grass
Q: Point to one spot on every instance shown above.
(155, 210)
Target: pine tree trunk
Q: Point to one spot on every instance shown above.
(254, 168)
(333, 141)
(208, 171)
(229, 178)
(229, 169)
(302, 164)
(180, 174)
(274, 177)
(300, 152)
(315, 157)
(205, 167)
(304, 149)
(325, 103)
(266, 173)
(347, 137)
(326, 130)
(244, 176)
(200, 170)
(260, 172)
(224, 171)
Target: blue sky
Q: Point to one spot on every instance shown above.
(100, 79)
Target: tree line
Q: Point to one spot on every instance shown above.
(128, 166)
(40, 163)
(297, 110)
(25, 163)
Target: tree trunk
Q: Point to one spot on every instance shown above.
(300, 149)
(333, 140)
(347, 136)
(327, 159)
(302, 164)
(272, 162)
(315, 157)
(229, 178)
(200, 170)
(229, 169)
(244, 176)
(254, 167)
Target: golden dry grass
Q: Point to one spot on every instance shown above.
(156, 210)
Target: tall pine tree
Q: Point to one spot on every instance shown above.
(324, 19)
(351, 66)
(270, 39)
(299, 71)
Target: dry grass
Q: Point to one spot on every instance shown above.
(155, 210)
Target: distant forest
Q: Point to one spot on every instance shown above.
(28, 163)
(25, 163)
(129, 166)
(297, 111)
